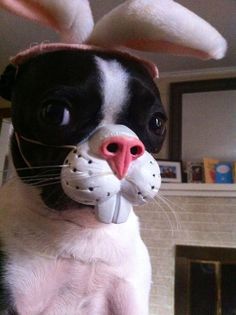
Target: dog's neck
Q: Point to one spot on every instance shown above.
(33, 230)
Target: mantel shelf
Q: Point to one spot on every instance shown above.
(201, 190)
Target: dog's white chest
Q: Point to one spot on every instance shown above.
(62, 287)
(67, 286)
(110, 269)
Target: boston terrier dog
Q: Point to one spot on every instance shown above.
(86, 118)
(84, 122)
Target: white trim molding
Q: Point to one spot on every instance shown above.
(200, 190)
(224, 71)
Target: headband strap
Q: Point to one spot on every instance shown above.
(43, 48)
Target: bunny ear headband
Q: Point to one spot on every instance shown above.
(147, 25)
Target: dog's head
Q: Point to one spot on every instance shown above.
(85, 120)
(84, 123)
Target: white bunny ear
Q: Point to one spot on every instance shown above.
(72, 18)
(160, 26)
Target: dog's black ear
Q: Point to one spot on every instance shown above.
(7, 80)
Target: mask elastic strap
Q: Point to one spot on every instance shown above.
(18, 137)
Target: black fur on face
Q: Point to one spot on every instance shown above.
(57, 100)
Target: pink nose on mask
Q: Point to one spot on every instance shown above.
(120, 152)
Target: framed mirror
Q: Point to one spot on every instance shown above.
(203, 120)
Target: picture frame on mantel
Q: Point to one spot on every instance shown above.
(194, 133)
(171, 171)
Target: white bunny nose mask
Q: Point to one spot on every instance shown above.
(113, 172)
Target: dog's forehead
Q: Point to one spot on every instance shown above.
(70, 67)
(108, 74)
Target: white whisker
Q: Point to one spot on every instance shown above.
(171, 209)
(47, 184)
(40, 176)
(35, 167)
(37, 181)
(168, 200)
(166, 214)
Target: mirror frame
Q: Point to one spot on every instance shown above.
(5, 112)
(177, 90)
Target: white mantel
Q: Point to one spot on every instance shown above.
(201, 190)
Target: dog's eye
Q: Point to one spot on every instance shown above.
(56, 112)
(157, 124)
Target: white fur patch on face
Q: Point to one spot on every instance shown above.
(114, 85)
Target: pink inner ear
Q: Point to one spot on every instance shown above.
(165, 47)
(30, 10)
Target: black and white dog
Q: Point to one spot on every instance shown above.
(84, 122)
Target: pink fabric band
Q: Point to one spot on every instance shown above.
(34, 51)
